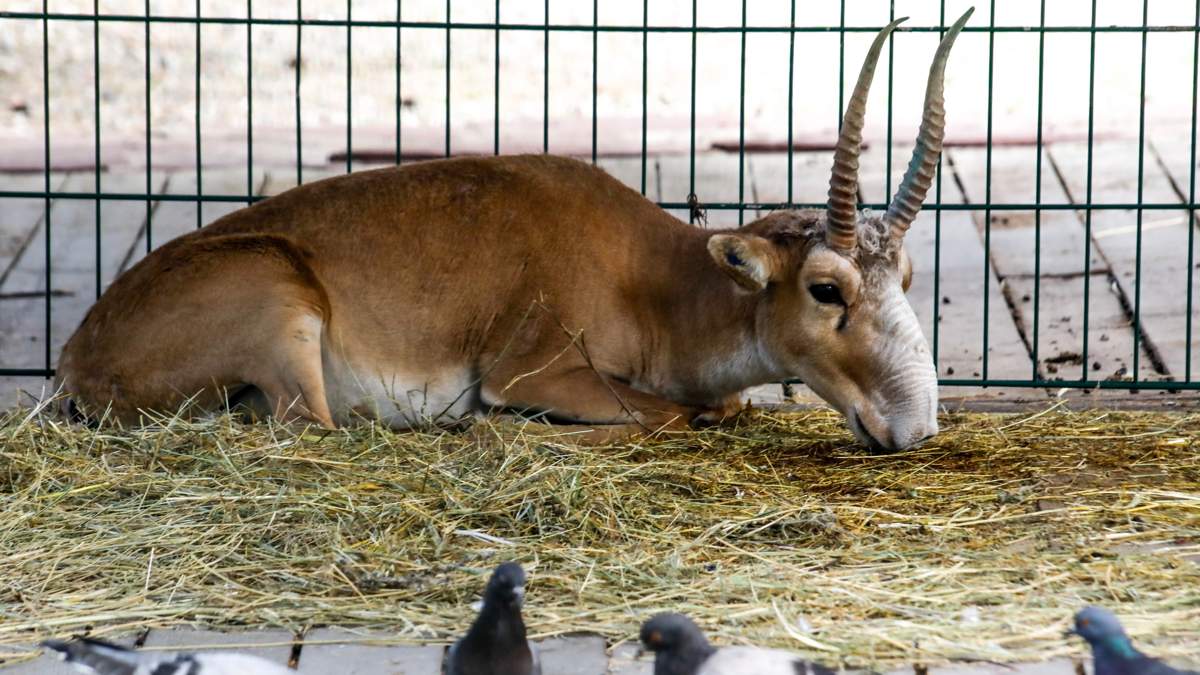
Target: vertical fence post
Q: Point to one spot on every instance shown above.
(645, 61)
(987, 191)
(546, 80)
(299, 67)
(350, 84)
(786, 387)
(1037, 197)
(149, 188)
(937, 224)
(46, 169)
(249, 102)
(399, 82)
(448, 77)
(1141, 184)
(692, 127)
(595, 69)
(96, 119)
(841, 64)
(891, 43)
(791, 101)
(1191, 264)
(1087, 219)
(199, 148)
(741, 124)
(496, 109)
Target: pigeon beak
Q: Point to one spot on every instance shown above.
(1070, 632)
(641, 651)
(519, 595)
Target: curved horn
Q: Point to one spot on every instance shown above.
(841, 233)
(919, 175)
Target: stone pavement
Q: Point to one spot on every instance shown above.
(325, 651)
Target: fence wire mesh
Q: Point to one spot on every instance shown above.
(744, 31)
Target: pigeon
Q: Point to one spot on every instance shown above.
(97, 657)
(495, 643)
(681, 649)
(1112, 651)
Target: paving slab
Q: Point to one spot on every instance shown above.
(1014, 243)
(1059, 294)
(1152, 254)
(574, 655)
(73, 266)
(273, 645)
(334, 650)
(624, 661)
(47, 663)
(1052, 667)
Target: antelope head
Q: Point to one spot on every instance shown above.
(833, 311)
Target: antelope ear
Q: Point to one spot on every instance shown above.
(748, 259)
(906, 269)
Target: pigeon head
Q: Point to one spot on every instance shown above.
(506, 588)
(1096, 624)
(678, 644)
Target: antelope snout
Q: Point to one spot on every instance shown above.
(901, 430)
(909, 433)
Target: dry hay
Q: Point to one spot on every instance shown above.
(779, 530)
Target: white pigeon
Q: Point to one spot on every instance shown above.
(680, 648)
(97, 657)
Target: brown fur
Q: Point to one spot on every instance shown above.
(546, 282)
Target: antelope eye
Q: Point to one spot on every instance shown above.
(827, 294)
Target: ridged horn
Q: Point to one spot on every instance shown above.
(842, 216)
(919, 175)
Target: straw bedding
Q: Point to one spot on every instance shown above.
(779, 530)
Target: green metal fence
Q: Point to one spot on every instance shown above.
(1087, 208)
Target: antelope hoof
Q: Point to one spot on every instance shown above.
(724, 415)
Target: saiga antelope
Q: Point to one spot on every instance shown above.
(537, 283)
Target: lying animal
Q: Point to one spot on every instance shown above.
(495, 643)
(532, 283)
(680, 648)
(102, 658)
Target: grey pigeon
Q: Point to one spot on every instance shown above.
(496, 644)
(97, 657)
(1112, 651)
(680, 648)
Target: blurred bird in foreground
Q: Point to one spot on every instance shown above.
(97, 657)
(496, 643)
(680, 648)
(1112, 651)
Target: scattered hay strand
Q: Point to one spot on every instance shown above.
(779, 531)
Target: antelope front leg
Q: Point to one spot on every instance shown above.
(729, 410)
(581, 395)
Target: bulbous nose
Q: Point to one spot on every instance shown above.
(901, 431)
(907, 437)
(915, 426)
